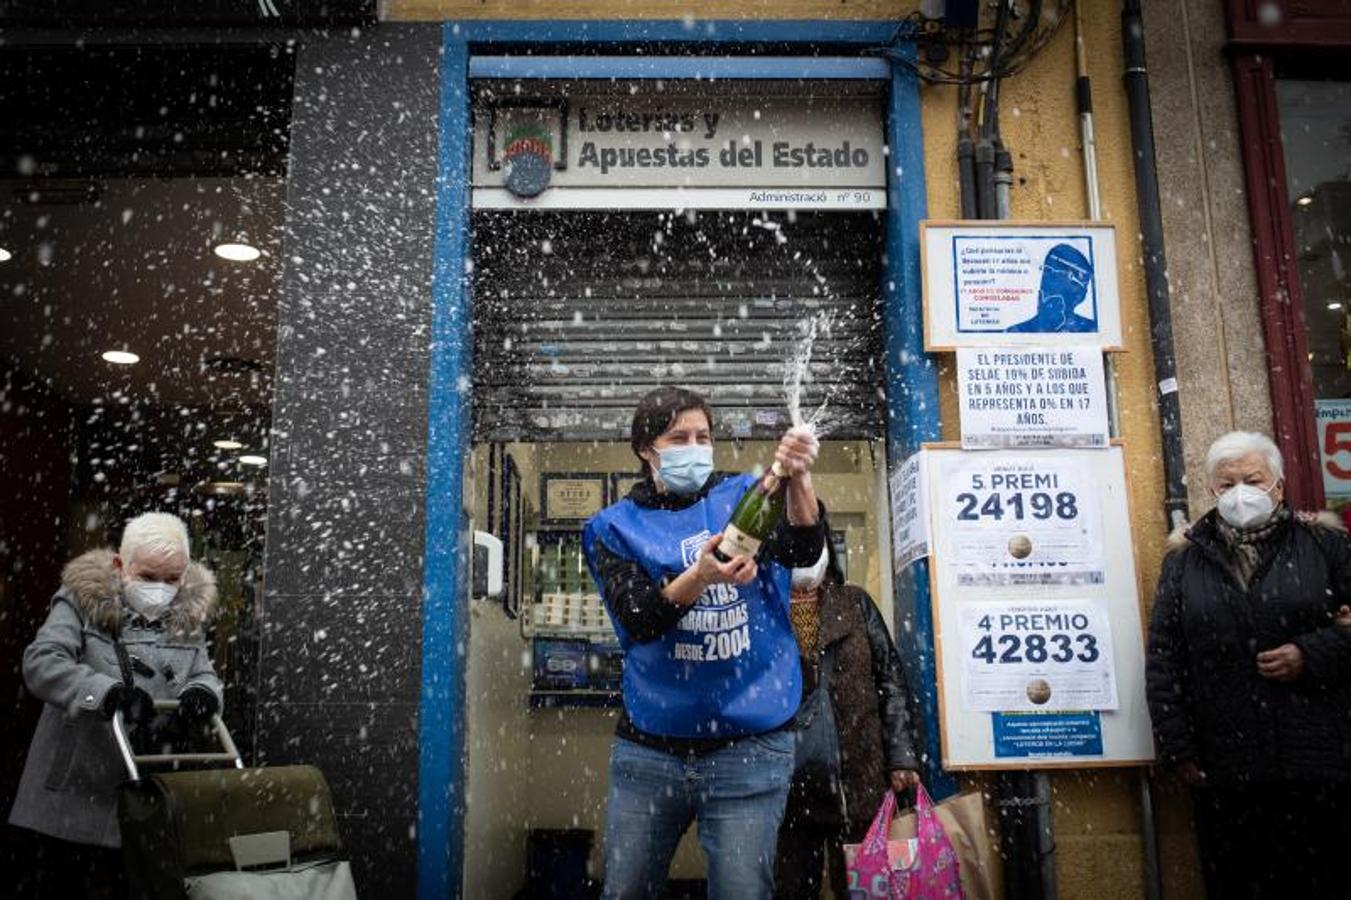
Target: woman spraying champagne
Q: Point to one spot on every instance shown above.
(711, 671)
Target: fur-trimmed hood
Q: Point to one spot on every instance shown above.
(95, 585)
(1322, 518)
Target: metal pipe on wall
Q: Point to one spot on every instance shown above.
(1161, 330)
(1156, 264)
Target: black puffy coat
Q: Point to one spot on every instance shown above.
(843, 769)
(1208, 701)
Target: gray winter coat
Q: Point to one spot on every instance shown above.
(70, 779)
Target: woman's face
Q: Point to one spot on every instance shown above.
(689, 428)
(1251, 470)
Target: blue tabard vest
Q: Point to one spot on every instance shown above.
(730, 667)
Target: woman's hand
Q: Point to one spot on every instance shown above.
(904, 779)
(1285, 663)
(687, 587)
(737, 570)
(797, 450)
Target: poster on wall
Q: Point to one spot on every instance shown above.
(1015, 284)
(1036, 655)
(1031, 397)
(1013, 519)
(1036, 605)
(1334, 446)
(909, 520)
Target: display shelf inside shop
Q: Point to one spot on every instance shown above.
(575, 699)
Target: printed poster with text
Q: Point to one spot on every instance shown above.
(1025, 656)
(1023, 285)
(1023, 522)
(1032, 397)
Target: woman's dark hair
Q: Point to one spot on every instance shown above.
(658, 410)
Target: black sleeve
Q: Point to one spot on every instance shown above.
(1167, 681)
(798, 546)
(633, 598)
(1327, 650)
(893, 694)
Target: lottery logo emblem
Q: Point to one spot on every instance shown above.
(528, 161)
(690, 546)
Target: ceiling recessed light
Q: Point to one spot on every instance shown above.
(253, 460)
(1334, 305)
(227, 445)
(5, 255)
(121, 357)
(237, 252)
(1305, 200)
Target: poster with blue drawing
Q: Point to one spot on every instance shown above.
(1013, 284)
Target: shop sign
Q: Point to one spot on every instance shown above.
(649, 149)
(1020, 285)
(1032, 397)
(1334, 445)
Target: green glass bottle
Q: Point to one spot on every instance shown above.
(757, 514)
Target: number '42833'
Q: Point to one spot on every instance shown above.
(1036, 648)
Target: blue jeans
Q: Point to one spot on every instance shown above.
(737, 795)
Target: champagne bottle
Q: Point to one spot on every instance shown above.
(756, 516)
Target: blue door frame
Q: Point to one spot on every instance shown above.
(699, 49)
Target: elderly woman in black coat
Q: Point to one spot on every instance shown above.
(1249, 681)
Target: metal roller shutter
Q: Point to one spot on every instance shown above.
(578, 314)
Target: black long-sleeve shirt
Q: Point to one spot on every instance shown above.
(635, 600)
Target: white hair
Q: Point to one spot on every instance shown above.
(159, 533)
(1237, 444)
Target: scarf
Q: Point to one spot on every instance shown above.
(804, 612)
(1248, 548)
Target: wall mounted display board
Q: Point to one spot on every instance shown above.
(1037, 609)
(1013, 284)
(1031, 397)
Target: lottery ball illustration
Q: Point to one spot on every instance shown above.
(1020, 546)
(1038, 690)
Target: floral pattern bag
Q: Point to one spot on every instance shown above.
(890, 870)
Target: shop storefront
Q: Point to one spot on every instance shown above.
(487, 239)
(632, 221)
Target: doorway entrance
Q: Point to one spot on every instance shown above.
(577, 315)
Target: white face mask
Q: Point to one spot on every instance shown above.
(149, 599)
(1246, 506)
(812, 576)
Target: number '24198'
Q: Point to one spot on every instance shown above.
(1038, 505)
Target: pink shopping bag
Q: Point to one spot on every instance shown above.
(890, 870)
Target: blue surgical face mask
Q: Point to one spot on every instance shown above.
(684, 469)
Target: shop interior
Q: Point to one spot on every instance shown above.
(141, 222)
